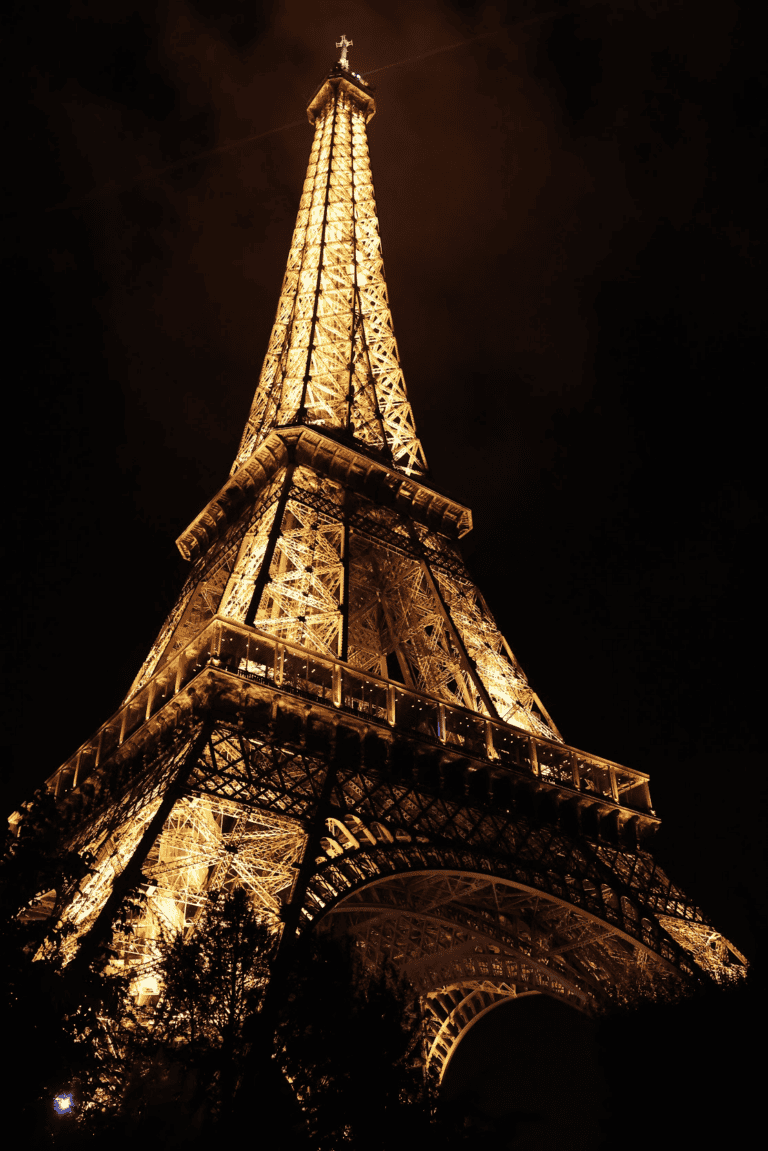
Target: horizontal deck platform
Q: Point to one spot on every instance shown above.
(274, 667)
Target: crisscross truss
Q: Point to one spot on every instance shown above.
(472, 900)
(330, 675)
(220, 570)
(332, 358)
(109, 837)
(388, 828)
(208, 844)
(349, 579)
(429, 629)
(466, 942)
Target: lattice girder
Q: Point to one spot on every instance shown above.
(620, 888)
(626, 890)
(332, 358)
(208, 844)
(219, 581)
(462, 897)
(452, 1011)
(330, 676)
(341, 875)
(338, 573)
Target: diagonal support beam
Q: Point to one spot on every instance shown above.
(130, 876)
(467, 664)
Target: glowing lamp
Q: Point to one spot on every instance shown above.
(63, 1104)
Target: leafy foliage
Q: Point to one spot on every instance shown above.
(61, 1023)
(336, 1063)
(186, 1054)
(351, 1045)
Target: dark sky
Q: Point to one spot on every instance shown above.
(569, 213)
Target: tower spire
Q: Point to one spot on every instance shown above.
(344, 44)
(332, 358)
(329, 534)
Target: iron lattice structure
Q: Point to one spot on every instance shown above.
(330, 715)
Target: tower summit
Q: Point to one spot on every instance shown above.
(332, 359)
(330, 716)
(343, 44)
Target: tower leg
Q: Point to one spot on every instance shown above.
(131, 873)
(264, 1025)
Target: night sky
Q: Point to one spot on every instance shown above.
(569, 210)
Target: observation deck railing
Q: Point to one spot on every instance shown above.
(252, 655)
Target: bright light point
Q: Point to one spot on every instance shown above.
(63, 1104)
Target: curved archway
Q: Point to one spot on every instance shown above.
(530, 1067)
(461, 1008)
(468, 938)
(589, 890)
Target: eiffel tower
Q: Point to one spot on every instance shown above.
(330, 716)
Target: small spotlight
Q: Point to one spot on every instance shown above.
(64, 1104)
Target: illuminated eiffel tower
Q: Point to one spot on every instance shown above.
(330, 716)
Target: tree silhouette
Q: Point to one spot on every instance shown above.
(338, 1064)
(341, 1068)
(350, 1043)
(184, 1053)
(59, 1023)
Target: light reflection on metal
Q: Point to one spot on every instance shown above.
(409, 612)
(208, 844)
(332, 359)
(343, 44)
(330, 631)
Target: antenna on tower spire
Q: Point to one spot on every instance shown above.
(344, 44)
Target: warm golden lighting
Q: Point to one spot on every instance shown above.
(330, 717)
(332, 358)
(208, 844)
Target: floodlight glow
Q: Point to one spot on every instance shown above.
(63, 1104)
